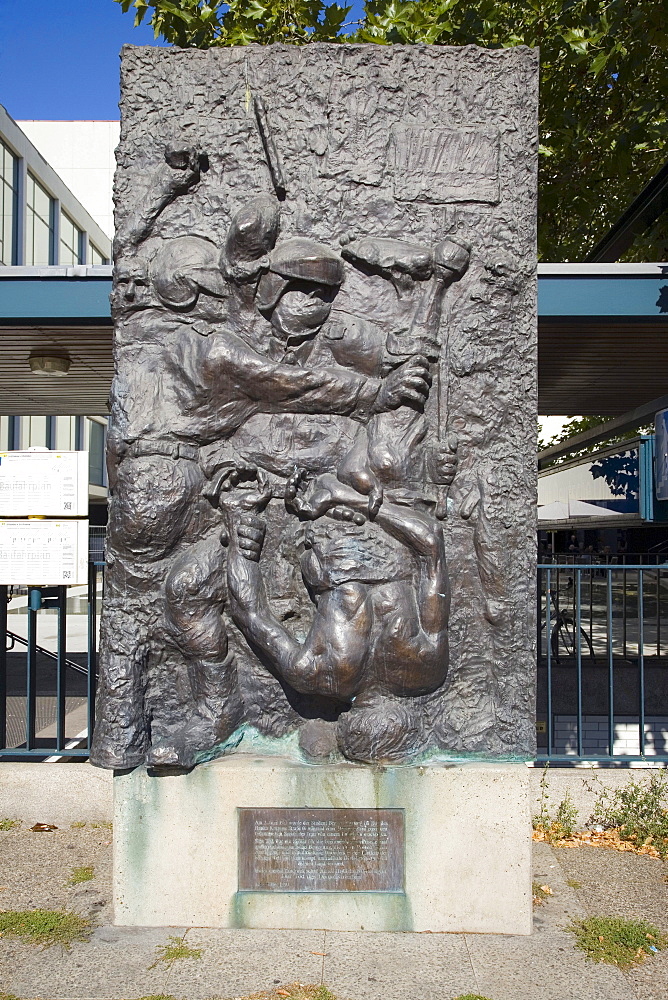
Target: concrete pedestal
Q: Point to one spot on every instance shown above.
(467, 846)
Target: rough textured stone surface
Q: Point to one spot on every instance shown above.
(324, 404)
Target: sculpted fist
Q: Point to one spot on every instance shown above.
(407, 385)
(186, 164)
(239, 488)
(443, 461)
(247, 536)
(310, 499)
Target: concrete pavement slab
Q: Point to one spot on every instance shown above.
(611, 883)
(239, 962)
(113, 964)
(397, 966)
(541, 968)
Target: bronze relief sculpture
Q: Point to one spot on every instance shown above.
(323, 413)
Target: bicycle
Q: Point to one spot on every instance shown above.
(564, 632)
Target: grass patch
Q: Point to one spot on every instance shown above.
(83, 874)
(9, 824)
(619, 942)
(46, 927)
(470, 996)
(175, 950)
(574, 884)
(101, 826)
(79, 825)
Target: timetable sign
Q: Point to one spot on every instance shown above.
(43, 553)
(46, 483)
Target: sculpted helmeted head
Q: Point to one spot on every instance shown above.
(297, 292)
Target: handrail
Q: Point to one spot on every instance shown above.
(613, 567)
(46, 652)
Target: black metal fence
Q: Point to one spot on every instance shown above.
(47, 690)
(602, 662)
(602, 637)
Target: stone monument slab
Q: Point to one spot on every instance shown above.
(322, 486)
(466, 834)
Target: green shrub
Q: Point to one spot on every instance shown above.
(564, 821)
(638, 810)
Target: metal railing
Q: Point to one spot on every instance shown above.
(628, 559)
(47, 697)
(602, 633)
(602, 662)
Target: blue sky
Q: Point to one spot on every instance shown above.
(59, 58)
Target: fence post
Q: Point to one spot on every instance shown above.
(61, 677)
(3, 666)
(34, 600)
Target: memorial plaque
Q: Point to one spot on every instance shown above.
(321, 850)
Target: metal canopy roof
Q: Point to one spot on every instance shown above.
(602, 337)
(60, 311)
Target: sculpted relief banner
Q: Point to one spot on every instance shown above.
(322, 439)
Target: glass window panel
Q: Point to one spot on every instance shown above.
(7, 204)
(39, 232)
(70, 241)
(41, 243)
(6, 237)
(38, 432)
(67, 256)
(96, 464)
(41, 203)
(96, 258)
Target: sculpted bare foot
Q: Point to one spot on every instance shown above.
(311, 499)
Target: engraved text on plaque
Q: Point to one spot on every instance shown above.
(321, 850)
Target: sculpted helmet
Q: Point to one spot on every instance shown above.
(294, 261)
(183, 267)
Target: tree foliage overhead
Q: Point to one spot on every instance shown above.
(604, 84)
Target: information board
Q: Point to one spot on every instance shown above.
(44, 483)
(43, 553)
(321, 850)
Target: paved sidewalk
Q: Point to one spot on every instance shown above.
(114, 964)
